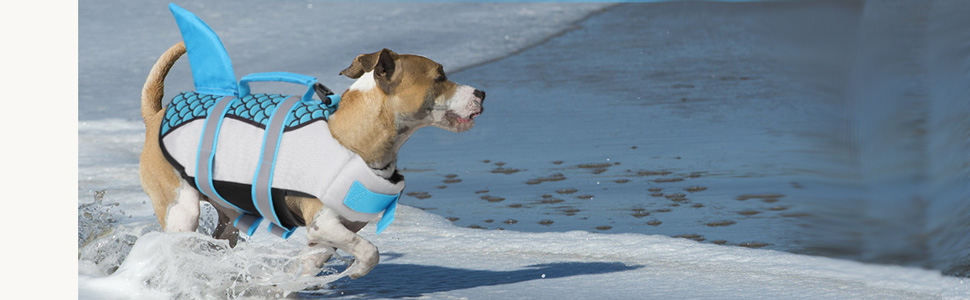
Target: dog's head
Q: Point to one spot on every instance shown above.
(416, 90)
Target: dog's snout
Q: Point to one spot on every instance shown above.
(480, 94)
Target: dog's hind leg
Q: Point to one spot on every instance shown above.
(326, 230)
(225, 230)
(182, 214)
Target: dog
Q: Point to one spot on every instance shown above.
(393, 96)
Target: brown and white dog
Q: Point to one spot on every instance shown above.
(394, 95)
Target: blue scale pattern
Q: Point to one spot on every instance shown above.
(256, 108)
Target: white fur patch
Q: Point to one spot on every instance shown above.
(327, 231)
(183, 213)
(364, 83)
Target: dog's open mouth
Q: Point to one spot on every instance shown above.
(462, 120)
(470, 118)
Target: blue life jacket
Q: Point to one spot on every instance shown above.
(246, 152)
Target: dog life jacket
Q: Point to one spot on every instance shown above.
(246, 152)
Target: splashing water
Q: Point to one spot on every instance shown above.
(100, 245)
(196, 266)
(94, 218)
(191, 265)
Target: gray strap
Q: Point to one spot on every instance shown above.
(203, 168)
(207, 151)
(263, 181)
(280, 231)
(247, 223)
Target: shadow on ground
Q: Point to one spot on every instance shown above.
(407, 280)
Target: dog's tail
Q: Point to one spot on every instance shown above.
(154, 89)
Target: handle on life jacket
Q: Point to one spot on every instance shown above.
(281, 77)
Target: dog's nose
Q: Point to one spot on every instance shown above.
(480, 94)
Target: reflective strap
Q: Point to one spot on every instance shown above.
(263, 181)
(207, 151)
(229, 212)
(247, 223)
(280, 231)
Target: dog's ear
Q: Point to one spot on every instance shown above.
(381, 61)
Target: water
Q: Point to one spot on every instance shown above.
(120, 40)
(756, 124)
(668, 128)
(803, 127)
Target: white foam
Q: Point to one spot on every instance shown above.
(562, 265)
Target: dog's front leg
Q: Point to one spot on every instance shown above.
(314, 257)
(328, 231)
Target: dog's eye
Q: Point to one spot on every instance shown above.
(441, 78)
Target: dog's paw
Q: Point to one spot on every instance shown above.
(311, 261)
(358, 270)
(363, 264)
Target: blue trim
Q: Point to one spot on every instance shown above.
(212, 155)
(211, 68)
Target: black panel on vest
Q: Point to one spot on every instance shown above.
(241, 195)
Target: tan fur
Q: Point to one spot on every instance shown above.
(154, 88)
(411, 87)
(368, 122)
(373, 123)
(364, 125)
(158, 178)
